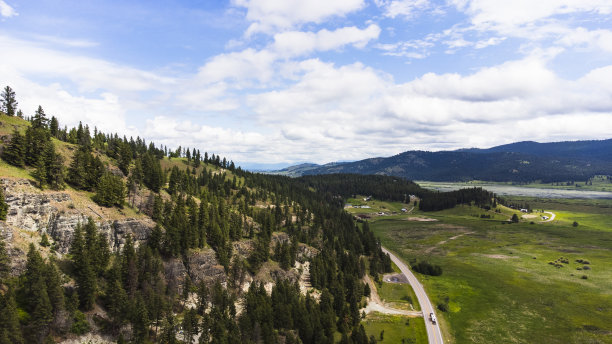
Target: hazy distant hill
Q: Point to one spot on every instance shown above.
(520, 162)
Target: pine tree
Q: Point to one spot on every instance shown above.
(9, 104)
(40, 174)
(5, 262)
(54, 127)
(3, 206)
(35, 290)
(110, 191)
(54, 164)
(84, 272)
(54, 287)
(40, 119)
(14, 152)
(10, 331)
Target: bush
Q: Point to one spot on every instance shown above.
(427, 268)
(575, 224)
(80, 324)
(584, 277)
(443, 307)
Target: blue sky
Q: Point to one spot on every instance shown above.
(287, 81)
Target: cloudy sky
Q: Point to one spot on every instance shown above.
(287, 81)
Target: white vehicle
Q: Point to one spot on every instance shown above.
(432, 317)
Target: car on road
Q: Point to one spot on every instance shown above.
(432, 317)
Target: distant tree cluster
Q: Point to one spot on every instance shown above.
(435, 201)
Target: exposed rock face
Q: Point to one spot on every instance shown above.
(16, 256)
(33, 210)
(203, 266)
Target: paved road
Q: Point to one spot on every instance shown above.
(552, 216)
(433, 331)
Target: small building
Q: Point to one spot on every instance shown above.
(524, 210)
(367, 199)
(404, 210)
(544, 218)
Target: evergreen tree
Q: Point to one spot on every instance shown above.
(85, 277)
(40, 119)
(9, 103)
(110, 191)
(14, 152)
(54, 165)
(10, 331)
(5, 262)
(40, 174)
(3, 206)
(35, 290)
(54, 127)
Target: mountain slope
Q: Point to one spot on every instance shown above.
(517, 162)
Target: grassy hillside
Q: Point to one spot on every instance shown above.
(500, 283)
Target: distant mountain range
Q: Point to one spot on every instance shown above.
(517, 162)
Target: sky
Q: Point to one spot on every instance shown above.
(279, 82)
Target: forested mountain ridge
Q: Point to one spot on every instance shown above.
(119, 237)
(518, 162)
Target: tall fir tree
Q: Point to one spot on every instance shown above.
(14, 152)
(9, 102)
(3, 206)
(10, 331)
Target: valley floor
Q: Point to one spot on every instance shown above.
(540, 282)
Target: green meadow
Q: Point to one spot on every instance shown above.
(540, 282)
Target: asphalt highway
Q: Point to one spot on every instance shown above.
(433, 330)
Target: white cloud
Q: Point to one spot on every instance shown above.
(581, 37)
(333, 110)
(509, 14)
(403, 8)
(268, 16)
(7, 11)
(297, 43)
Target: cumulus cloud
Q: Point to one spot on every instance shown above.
(271, 16)
(336, 108)
(259, 68)
(7, 11)
(297, 43)
(403, 8)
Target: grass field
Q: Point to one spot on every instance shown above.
(398, 295)
(395, 329)
(498, 284)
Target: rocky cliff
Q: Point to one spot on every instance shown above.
(53, 213)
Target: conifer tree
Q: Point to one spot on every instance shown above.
(5, 262)
(40, 174)
(3, 206)
(9, 103)
(54, 127)
(35, 290)
(14, 152)
(10, 331)
(84, 273)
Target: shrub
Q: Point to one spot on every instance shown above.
(443, 307)
(427, 268)
(584, 277)
(575, 224)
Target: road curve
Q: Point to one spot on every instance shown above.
(552, 216)
(433, 331)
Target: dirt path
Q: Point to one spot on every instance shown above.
(445, 241)
(375, 304)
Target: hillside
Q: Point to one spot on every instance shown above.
(518, 162)
(117, 239)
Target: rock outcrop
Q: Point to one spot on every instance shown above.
(33, 210)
